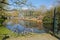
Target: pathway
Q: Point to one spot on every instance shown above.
(43, 36)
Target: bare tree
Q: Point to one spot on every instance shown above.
(14, 3)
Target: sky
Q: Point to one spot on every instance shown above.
(38, 3)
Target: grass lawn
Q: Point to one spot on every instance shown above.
(4, 30)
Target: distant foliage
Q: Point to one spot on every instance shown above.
(48, 19)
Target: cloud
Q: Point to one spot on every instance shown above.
(51, 6)
(24, 8)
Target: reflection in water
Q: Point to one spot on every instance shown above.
(21, 29)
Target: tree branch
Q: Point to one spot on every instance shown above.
(4, 2)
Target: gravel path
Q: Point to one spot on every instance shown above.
(43, 36)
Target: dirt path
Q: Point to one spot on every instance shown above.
(43, 36)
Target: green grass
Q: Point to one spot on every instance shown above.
(4, 30)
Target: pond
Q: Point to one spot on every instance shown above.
(21, 29)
